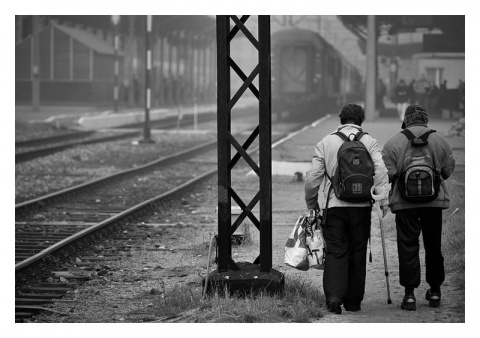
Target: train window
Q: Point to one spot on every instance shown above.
(294, 69)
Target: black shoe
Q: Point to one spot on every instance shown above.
(352, 307)
(409, 302)
(433, 298)
(334, 306)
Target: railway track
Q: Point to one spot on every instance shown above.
(53, 227)
(82, 216)
(51, 230)
(53, 139)
(173, 121)
(60, 143)
(49, 145)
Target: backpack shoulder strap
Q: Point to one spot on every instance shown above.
(417, 141)
(359, 135)
(341, 135)
(408, 134)
(425, 135)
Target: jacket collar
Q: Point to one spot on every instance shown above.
(349, 125)
(417, 123)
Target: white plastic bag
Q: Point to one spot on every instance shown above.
(296, 250)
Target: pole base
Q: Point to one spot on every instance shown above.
(146, 141)
(246, 281)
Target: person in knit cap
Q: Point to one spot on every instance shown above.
(419, 161)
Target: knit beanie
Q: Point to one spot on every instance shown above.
(414, 114)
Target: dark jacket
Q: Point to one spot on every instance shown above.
(401, 94)
(393, 155)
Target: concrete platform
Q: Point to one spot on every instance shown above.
(295, 153)
(93, 118)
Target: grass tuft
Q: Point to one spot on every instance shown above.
(300, 302)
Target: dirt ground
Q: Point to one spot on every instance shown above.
(177, 256)
(375, 308)
(288, 195)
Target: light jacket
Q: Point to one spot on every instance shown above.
(394, 155)
(325, 160)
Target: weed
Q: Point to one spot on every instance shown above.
(300, 302)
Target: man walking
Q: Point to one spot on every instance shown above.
(419, 161)
(347, 223)
(401, 98)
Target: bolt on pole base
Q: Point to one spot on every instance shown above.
(248, 280)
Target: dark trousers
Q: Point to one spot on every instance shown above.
(346, 234)
(410, 223)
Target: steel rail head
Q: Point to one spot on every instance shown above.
(124, 172)
(25, 263)
(108, 221)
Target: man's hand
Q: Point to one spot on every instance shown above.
(311, 216)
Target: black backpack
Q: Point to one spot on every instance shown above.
(418, 181)
(353, 178)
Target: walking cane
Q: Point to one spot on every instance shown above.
(379, 213)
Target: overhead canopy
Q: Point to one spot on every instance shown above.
(198, 24)
(88, 39)
(451, 39)
(448, 24)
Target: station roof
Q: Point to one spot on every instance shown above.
(448, 24)
(199, 24)
(88, 39)
(449, 32)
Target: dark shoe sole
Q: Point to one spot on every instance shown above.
(408, 307)
(334, 307)
(352, 308)
(432, 302)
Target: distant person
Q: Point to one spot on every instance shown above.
(411, 92)
(422, 89)
(347, 224)
(381, 92)
(417, 199)
(434, 99)
(443, 95)
(401, 98)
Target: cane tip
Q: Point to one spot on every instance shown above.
(389, 301)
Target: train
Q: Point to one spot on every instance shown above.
(310, 77)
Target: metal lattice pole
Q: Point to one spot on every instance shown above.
(265, 144)
(224, 154)
(148, 67)
(225, 103)
(116, 42)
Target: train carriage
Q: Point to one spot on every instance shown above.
(309, 76)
